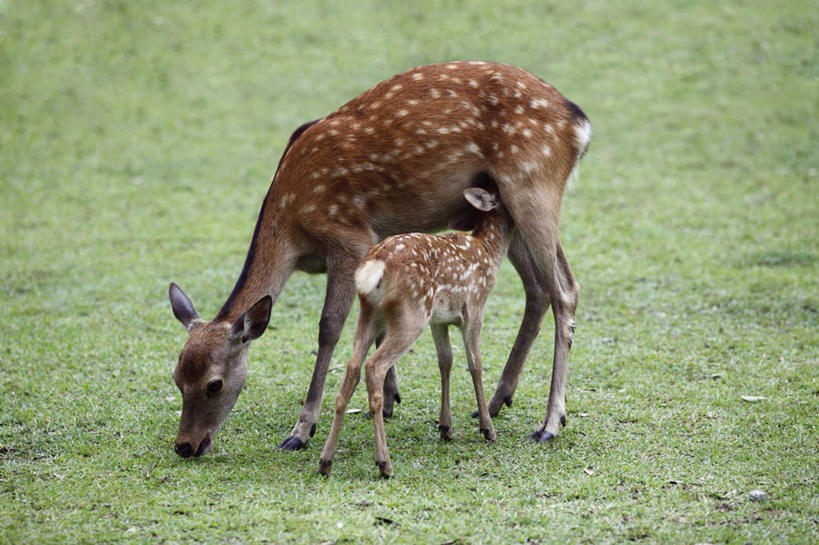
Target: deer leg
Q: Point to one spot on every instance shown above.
(365, 331)
(440, 334)
(337, 303)
(536, 216)
(396, 343)
(471, 333)
(391, 395)
(537, 303)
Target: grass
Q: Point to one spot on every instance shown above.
(137, 140)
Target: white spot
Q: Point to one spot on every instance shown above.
(434, 93)
(519, 109)
(396, 87)
(369, 130)
(308, 208)
(529, 166)
(472, 147)
(320, 187)
(333, 210)
(521, 85)
(473, 84)
(548, 128)
(431, 143)
(539, 103)
(547, 151)
(527, 133)
(412, 102)
(452, 66)
(418, 76)
(513, 149)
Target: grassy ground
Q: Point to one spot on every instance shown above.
(137, 140)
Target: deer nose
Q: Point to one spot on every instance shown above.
(185, 450)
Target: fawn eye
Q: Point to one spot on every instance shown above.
(214, 386)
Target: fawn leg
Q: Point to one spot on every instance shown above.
(440, 334)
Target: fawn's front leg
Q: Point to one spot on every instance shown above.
(440, 334)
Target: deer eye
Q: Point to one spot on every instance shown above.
(214, 386)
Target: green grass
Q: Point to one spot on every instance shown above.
(137, 140)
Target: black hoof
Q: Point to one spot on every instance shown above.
(382, 467)
(508, 401)
(324, 466)
(387, 413)
(445, 433)
(475, 414)
(292, 443)
(312, 430)
(487, 435)
(563, 420)
(542, 436)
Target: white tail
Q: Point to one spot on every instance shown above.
(393, 160)
(422, 278)
(367, 279)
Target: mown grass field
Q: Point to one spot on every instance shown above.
(137, 140)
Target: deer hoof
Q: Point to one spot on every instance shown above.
(292, 443)
(325, 466)
(542, 436)
(385, 468)
(563, 420)
(446, 432)
(489, 435)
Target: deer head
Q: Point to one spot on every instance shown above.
(212, 369)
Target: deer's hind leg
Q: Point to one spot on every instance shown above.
(535, 206)
(365, 331)
(401, 335)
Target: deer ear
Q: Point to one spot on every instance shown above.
(481, 198)
(182, 306)
(250, 325)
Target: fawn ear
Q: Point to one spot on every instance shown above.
(253, 322)
(182, 306)
(481, 198)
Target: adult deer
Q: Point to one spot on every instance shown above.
(393, 160)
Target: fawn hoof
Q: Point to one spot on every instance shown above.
(385, 468)
(292, 443)
(563, 420)
(325, 466)
(489, 435)
(446, 432)
(542, 436)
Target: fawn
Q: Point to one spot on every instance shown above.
(409, 281)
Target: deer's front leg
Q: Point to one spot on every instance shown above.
(337, 303)
(537, 303)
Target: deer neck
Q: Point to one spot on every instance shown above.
(268, 264)
(492, 230)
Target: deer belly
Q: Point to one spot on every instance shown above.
(447, 307)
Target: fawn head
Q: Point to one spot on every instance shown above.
(212, 369)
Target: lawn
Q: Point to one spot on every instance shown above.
(137, 141)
